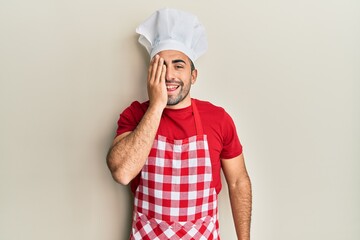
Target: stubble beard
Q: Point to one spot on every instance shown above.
(184, 91)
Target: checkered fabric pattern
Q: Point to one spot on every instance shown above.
(175, 198)
(152, 229)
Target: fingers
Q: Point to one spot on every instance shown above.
(159, 70)
(154, 67)
(163, 73)
(150, 69)
(155, 71)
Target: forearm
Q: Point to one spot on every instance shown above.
(127, 157)
(241, 205)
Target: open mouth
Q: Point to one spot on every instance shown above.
(171, 88)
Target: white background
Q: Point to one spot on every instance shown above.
(287, 71)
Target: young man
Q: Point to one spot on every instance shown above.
(172, 147)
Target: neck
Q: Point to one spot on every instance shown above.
(186, 102)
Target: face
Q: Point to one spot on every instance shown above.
(179, 78)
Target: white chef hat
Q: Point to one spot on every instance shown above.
(172, 29)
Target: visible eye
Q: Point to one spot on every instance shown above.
(179, 66)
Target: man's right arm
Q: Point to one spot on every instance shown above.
(128, 154)
(130, 150)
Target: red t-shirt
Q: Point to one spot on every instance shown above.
(179, 124)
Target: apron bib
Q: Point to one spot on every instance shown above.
(175, 198)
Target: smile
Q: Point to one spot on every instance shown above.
(171, 88)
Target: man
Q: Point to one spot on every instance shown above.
(172, 147)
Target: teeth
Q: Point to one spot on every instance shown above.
(171, 87)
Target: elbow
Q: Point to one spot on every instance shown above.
(120, 178)
(239, 185)
(117, 173)
(120, 172)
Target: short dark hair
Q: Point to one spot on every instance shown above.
(192, 65)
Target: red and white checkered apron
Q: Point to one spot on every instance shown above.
(175, 198)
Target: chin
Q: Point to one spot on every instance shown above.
(174, 101)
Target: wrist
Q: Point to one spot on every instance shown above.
(156, 108)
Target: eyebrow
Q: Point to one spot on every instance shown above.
(178, 60)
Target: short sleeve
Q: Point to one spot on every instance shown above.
(130, 118)
(231, 143)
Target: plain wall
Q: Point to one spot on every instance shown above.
(287, 71)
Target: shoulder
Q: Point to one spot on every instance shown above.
(136, 108)
(131, 116)
(208, 109)
(134, 112)
(136, 105)
(206, 105)
(214, 116)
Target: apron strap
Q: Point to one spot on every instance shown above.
(198, 124)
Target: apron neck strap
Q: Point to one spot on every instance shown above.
(198, 124)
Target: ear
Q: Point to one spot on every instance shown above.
(194, 76)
